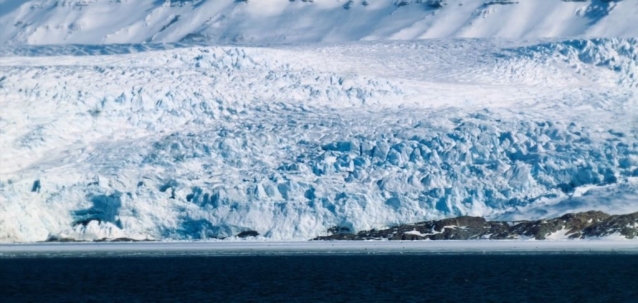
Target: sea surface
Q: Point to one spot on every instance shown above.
(322, 278)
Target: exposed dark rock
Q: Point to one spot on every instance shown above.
(436, 3)
(123, 239)
(53, 238)
(626, 225)
(574, 226)
(247, 233)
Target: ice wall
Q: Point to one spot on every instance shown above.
(202, 142)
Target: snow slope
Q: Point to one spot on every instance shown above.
(189, 142)
(290, 21)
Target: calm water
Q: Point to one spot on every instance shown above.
(389, 278)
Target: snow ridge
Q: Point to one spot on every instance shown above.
(286, 22)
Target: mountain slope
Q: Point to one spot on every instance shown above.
(285, 21)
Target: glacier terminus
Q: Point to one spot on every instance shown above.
(192, 120)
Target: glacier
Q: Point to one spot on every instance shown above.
(183, 141)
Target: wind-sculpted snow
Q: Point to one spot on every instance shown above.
(207, 142)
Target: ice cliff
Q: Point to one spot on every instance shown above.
(191, 142)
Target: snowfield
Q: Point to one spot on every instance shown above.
(179, 141)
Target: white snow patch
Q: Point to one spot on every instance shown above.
(561, 234)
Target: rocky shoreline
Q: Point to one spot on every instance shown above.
(583, 225)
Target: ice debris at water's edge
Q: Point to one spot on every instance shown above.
(288, 142)
(584, 225)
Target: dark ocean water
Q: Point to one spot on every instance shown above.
(323, 278)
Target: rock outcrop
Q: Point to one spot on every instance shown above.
(582, 225)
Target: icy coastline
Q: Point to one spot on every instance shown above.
(240, 248)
